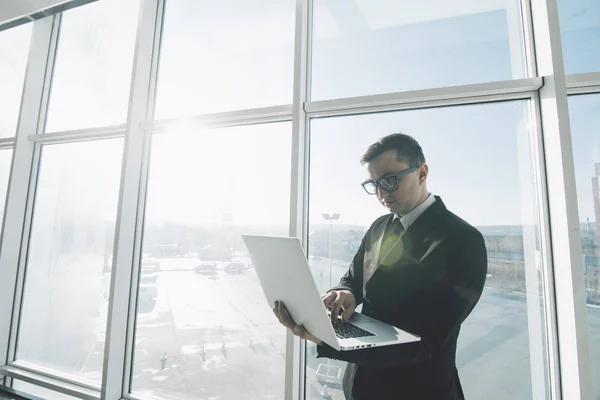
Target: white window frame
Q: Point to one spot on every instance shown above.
(546, 86)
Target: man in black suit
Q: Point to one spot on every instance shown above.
(420, 268)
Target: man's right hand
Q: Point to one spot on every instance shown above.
(343, 300)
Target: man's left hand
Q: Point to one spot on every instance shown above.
(286, 320)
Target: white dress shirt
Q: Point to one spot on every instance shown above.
(410, 218)
(406, 221)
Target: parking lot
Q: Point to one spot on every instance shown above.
(210, 335)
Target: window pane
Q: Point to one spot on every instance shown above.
(377, 46)
(580, 32)
(14, 47)
(5, 161)
(63, 315)
(225, 55)
(501, 351)
(203, 326)
(90, 83)
(585, 119)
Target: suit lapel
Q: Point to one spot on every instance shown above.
(372, 254)
(418, 236)
(417, 240)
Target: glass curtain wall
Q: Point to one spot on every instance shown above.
(255, 111)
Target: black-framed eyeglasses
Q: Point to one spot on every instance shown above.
(389, 183)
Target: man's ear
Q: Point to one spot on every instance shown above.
(423, 173)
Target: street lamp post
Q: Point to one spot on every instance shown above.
(330, 218)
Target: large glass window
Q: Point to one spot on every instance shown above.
(379, 46)
(90, 83)
(63, 315)
(14, 47)
(225, 55)
(483, 172)
(580, 33)
(204, 329)
(585, 119)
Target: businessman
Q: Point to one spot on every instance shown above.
(420, 268)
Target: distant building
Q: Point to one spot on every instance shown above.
(596, 191)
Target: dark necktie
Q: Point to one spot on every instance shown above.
(392, 247)
(397, 227)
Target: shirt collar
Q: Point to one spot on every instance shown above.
(410, 218)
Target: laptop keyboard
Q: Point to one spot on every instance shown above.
(345, 330)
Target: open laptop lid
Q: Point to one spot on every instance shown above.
(284, 275)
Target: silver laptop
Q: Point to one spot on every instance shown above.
(284, 275)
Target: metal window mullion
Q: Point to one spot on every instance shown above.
(295, 349)
(197, 125)
(154, 66)
(422, 105)
(529, 40)
(529, 180)
(117, 331)
(44, 372)
(79, 135)
(137, 249)
(50, 383)
(586, 83)
(307, 42)
(145, 170)
(7, 143)
(545, 245)
(45, 12)
(224, 119)
(569, 284)
(590, 79)
(584, 90)
(24, 163)
(464, 94)
(516, 32)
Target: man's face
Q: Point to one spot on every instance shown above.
(411, 190)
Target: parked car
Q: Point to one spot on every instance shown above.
(149, 270)
(235, 267)
(207, 268)
(147, 293)
(148, 288)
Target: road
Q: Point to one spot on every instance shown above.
(214, 337)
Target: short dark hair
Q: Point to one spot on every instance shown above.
(406, 146)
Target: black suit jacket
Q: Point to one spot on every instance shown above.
(429, 291)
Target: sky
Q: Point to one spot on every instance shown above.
(197, 177)
(230, 55)
(72, 185)
(240, 55)
(473, 153)
(14, 47)
(90, 83)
